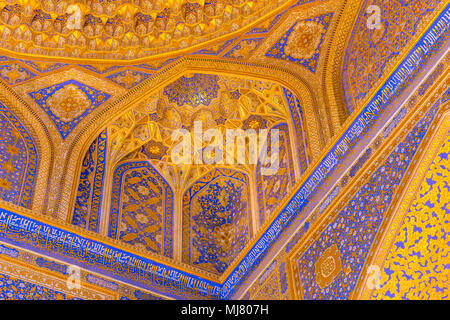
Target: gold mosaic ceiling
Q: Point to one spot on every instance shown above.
(227, 103)
(123, 29)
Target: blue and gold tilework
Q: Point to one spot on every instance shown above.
(370, 50)
(193, 89)
(266, 26)
(20, 70)
(154, 149)
(88, 203)
(142, 208)
(283, 278)
(296, 112)
(14, 73)
(67, 103)
(302, 42)
(217, 49)
(418, 266)
(100, 68)
(18, 289)
(216, 220)
(18, 160)
(43, 67)
(244, 48)
(272, 188)
(128, 78)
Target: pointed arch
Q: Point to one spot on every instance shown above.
(170, 73)
(39, 144)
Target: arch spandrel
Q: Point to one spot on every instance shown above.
(323, 17)
(52, 97)
(19, 160)
(381, 34)
(44, 146)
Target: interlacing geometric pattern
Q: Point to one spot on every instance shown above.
(93, 92)
(17, 289)
(193, 90)
(68, 103)
(14, 73)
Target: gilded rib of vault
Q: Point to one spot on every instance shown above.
(92, 91)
